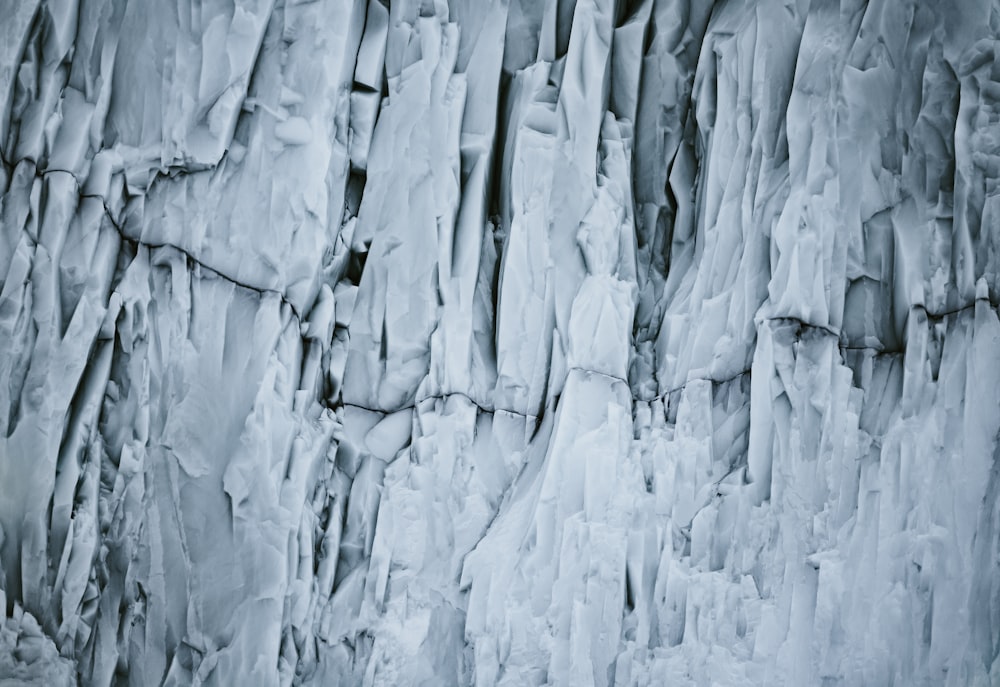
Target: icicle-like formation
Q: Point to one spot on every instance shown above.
(500, 342)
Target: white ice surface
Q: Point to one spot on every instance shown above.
(499, 342)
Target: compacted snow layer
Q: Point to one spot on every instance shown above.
(500, 342)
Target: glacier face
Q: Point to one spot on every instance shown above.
(500, 342)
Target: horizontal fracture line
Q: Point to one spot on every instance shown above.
(828, 329)
(221, 275)
(945, 313)
(476, 403)
(139, 242)
(439, 397)
(159, 172)
(615, 378)
(636, 399)
(261, 290)
(874, 349)
(664, 394)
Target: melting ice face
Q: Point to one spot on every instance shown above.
(499, 342)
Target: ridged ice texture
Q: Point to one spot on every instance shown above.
(500, 342)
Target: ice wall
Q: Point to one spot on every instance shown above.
(500, 342)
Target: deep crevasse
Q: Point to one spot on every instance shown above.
(500, 342)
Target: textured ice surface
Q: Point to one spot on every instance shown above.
(500, 342)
